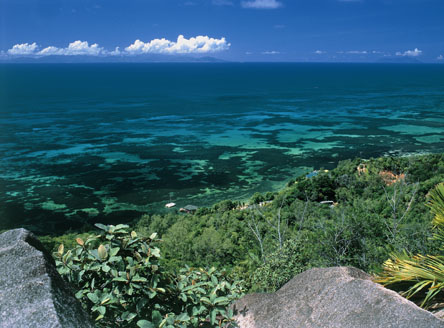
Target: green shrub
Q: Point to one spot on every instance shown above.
(119, 280)
(281, 266)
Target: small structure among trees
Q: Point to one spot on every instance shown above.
(191, 209)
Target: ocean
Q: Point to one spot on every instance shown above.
(86, 143)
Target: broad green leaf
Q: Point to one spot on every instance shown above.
(113, 251)
(93, 297)
(222, 299)
(102, 310)
(205, 300)
(145, 324)
(120, 279)
(156, 317)
(213, 317)
(139, 279)
(183, 317)
(101, 226)
(115, 259)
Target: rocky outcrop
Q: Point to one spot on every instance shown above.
(338, 297)
(32, 293)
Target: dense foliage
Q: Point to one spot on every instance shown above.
(423, 275)
(120, 281)
(356, 214)
(281, 266)
(375, 207)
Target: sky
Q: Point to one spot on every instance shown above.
(236, 30)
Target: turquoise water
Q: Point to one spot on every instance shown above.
(82, 143)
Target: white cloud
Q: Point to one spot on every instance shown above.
(261, 4)
(357, 52)
(115, 52)
(320, 52)
(199, 44)
(23, 49)
(74, 49)
(271, 52)
(410, 53)
(440, 57)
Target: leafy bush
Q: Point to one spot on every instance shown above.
(205, 293)
(119, 280)
(281, 266)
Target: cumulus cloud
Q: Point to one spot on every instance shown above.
(410, 53)
(440, 57)
(198, 44)
(115, 52)
(74, 49)
(23, 49)
(261, 4)
(319, 52)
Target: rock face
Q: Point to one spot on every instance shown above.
(32, 293)
(338, 297)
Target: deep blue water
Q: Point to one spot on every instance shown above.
(106, 142)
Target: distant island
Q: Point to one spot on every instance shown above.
(153, 58)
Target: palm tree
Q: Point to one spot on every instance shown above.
(422, 274)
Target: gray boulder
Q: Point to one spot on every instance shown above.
(340, 297)
(32, 293)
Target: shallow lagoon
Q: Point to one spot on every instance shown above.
(83, 143)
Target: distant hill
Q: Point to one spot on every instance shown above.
(399, 60)
(113, 59)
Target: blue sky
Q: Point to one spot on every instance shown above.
(241, 30)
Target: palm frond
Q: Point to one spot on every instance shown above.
(436, 205)
(426, 272)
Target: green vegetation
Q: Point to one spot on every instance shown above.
(422, 274)
(354, 215)
(119, 280)
(377, 210)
